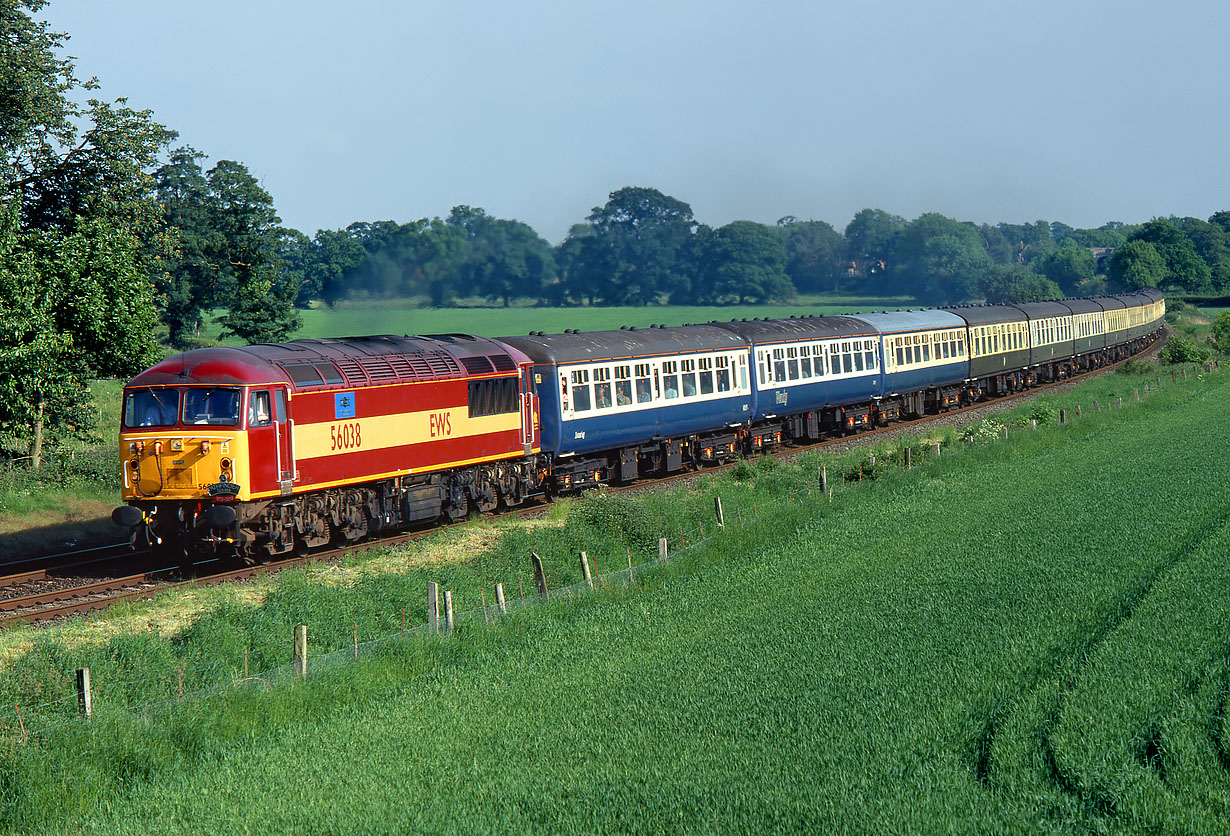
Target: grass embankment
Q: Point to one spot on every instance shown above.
(1023, 636)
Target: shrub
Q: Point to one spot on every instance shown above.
(988, 429)
(1180, 350)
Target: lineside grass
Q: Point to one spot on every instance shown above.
(1021, 636)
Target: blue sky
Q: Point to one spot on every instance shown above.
(1081, 112)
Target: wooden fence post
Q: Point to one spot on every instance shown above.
(539, 576)
(824, 479)
(1063, 417)
(85, 699)
(662, 550)
(301, 651)
(589, 579)
(448, 610)
(356, 640)
(1078, 410)
(717, 509)
(908, 465)
(499, 599)
(433, 606)
(935, 449)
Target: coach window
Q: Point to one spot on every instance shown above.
(580, 391)
(723, 374)
(602, 388)
(805, 361)
(857, 356)
(258, 409)
(706, 375)
(926, 348)
(792, 362)
(623, 385)
(847, 360)
(688, 378)
(817, 363)
(869, 352)
(900, 353)
(743, 373)
(644, 391)
(779, 364)
(670, 379)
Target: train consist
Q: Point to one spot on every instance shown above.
(257, 451)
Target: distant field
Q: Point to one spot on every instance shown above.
(397, 317)
(1027, 636)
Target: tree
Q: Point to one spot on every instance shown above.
(1012, 283)
(76, 218)
(1069, 267)
(744, 262)
(1183, 266)
(1137, 264)
(261, 295)
(871, 240)
(505, 258)
(940, 260)
(185, 275)
(814, 255)
(631, 259)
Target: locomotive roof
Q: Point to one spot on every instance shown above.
(797, 328)
(582, 346)
(348, 361)
(891, 322)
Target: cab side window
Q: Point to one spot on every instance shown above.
(258, 409)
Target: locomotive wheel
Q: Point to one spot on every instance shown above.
(459, 508)
(488, 495)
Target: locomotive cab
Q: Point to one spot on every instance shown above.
(193, 455)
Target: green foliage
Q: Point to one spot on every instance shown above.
(1220, 332)
(1182, 350)
(984, 431)
(75, 215)
(743, 262)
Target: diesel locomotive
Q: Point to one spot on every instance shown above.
(260, 450)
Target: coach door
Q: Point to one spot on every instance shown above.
(527, 408)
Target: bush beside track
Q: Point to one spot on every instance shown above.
(1022, 635)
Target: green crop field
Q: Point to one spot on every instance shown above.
(400, 317)
(1021, 636)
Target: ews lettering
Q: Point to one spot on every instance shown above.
(441, 424)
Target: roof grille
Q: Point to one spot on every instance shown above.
(477, 365)
(378, 369)
(352, 371)
(503, 363)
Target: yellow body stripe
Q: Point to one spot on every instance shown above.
(378, 432)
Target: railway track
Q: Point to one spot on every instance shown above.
(63, 596)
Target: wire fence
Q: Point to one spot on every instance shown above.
(111, 696)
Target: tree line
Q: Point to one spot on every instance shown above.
(115, 246)
(643, 247)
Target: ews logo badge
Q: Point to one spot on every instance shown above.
(441, 424)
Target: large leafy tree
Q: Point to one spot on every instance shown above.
(1183, 266)
(632, 256)
(1137, 264)
(814, 255)
(504, 259)
(940, 260)
(1069, 267)
(744, 262)
(871, 242)
(260, 293)
(76, 218)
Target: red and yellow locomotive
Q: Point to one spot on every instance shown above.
(253, 450)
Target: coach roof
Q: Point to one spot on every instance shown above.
(581, 347)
